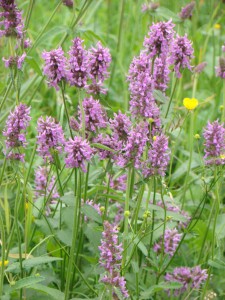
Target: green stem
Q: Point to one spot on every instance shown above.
(28, 14)
(2, 230)
(6, 94)
(171, 98)
(223, 118)
(74, 235)
(153, 218)
(127, 206)
(67, 114)
(44, 28)
(191, 136)
(3, 170)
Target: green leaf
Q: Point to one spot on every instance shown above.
(55, 294)
(34, 65)
(162, 286)
(216, 263)
(159, 96)
(68, 199)
(25, 282)
(94, 236)
(91, 213)
(103, 147)
(32, 262)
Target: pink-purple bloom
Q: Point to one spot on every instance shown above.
(105, 140)
(110, 259)
(95, 116)
(134, 148)
(45, 185)
(120, 126)
(159, 38)
(68, 3)
(220, 69)
(158, 157)
(50, 137)
(171, 241)
(14, 61)
(181, 54)
(186, 11)
(99, 62)
(78, 153)
(188, 277)
(55, 67)
(15, 130)
(11, 22)
(78, 64)
(214, 135)
(141, 86)
(161, 73)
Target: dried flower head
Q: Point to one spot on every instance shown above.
(220, 70)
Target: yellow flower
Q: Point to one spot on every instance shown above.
(154, 138)
(6, 262)
(222, 156)
(217, 26)
(190, 103)
(197, 136)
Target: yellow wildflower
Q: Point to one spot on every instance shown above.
(217, 26)
(190, 103)
(154, 138)
(222, 156)
(6, 262)
(197, 136)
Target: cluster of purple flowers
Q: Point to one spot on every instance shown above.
(171, 241)
(15, 131)
(151, 69)
(158, 157)
(50, 138)
(12, 25)
(12, 22)
(214, 135)
(44, 186)
(186, 11)
(95, 116)
(110, 259)
(188, 277)
(83, 69)
(78, 151)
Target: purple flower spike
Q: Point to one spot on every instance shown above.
(78, 64)
(171, 242)
(135, 146)
(161, 74)
(11, 20)
(159, 38)
(107, 141)
(44, 186)
(214, 135)
(110, 259)
(186, 11)
(182, 53)
(141, 88)
(15, 129)
(188, 277)
(50, 137)
(16, 61)
(55, 67)
(120, 126)
(78, 152)
(95, 116)
(220, 70)
(158, 157)
(100, 59)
